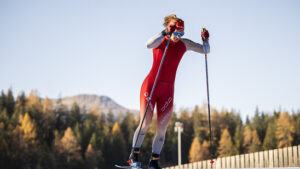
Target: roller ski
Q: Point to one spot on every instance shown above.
(132, 165)
(133, 160)
(127, 167)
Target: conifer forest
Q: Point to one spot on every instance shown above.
(36, 134)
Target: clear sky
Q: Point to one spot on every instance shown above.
(64, 48)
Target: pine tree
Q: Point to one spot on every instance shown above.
(196, 116)
(169, 152)
(297, 129)
(216, 130)
(61, 115)
(15, 139)
(284, 131)
(83, 133)
(20, 106)
(90, 158)
(2, 101)
(238, 139)
(233, 120)
(77, 130)
(187, 135)
(10, 102)
(89, 128)
(225, 144)
(58, 153)
(110, 117)
(118, 147)
(75, 115)
(200, 123)
(247, 120)
(216, 124)
(260, 124)
(105, 139)
(47, 123)
(3, 146)
(270, 141)
(96, 147)
(4, 116)
(128, 126)
(93, 140)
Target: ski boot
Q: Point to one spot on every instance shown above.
(153, 164)
(134, 159)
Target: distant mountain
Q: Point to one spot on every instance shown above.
(104, 103)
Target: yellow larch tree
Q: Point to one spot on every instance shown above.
(90, 157)
(28, 130)
(116, 129)
(225, 144)
(47, 106)
(195, 149)
(284, 130)
(71, 147)
(205, 152)
(247, 135)
(255, 142)
(34, 101)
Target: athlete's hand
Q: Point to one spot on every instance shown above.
(204, 34)
(165, 32)
(169, 30)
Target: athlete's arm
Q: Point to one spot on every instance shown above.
(196, 47)
(155, 41)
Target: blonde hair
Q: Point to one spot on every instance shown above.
(168, 19)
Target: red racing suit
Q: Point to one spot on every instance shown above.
(163, 95)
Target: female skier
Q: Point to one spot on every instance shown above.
(163, 94)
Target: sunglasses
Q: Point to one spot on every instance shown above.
(178, 33)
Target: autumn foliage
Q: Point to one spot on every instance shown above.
(36, 134)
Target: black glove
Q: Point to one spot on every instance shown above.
(165, 32)
(169, 30)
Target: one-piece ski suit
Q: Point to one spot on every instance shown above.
(163, 95)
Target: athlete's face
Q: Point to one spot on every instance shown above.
(176, 38)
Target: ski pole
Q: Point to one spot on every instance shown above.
(208, 101)
(153, 88)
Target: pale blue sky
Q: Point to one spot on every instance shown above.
(64, 48)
